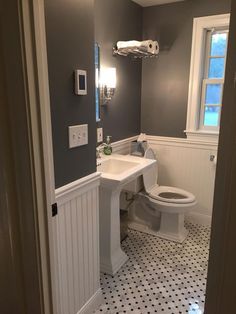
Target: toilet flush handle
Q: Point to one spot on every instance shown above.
(213, 158)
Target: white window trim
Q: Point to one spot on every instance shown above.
(200, 27)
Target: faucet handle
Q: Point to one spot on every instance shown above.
(98, 150)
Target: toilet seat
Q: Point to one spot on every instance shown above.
(167, 194)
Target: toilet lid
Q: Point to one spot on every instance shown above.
(150, 175)
(171, 195)
(149, 154)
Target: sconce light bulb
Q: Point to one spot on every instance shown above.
(108, 77)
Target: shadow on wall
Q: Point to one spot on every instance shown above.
(166, 37)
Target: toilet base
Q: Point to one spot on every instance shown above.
(171, 228)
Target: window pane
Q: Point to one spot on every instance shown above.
(218, 44)
(213, 94)
(216, 68)
(211, 116)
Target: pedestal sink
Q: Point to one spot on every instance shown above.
(116, 171)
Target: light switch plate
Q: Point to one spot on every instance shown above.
(99, 135)
(78, 135)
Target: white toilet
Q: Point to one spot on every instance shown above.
(171, 202)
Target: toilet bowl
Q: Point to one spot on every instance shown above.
(172, 203)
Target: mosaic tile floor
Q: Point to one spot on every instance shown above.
(160, 276)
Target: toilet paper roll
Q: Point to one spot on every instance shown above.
(128, 44)
(156, 47)
(147, 46)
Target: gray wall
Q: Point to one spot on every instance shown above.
(165, 80)
(120, 20)
(70, 44)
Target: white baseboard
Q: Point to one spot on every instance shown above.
(93, 303)
(204, 220)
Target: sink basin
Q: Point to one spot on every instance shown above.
(118, 170)
(116, 166)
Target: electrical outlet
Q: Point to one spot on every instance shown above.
(99, 135)
(78, 135)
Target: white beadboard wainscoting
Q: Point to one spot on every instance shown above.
(186, 164)
(76, 247)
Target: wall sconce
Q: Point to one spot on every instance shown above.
(108, 84)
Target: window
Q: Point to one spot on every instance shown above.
(213, 79)
(209, 49)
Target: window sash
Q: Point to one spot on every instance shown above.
(205, 83)
(210, 81)
(208, 56)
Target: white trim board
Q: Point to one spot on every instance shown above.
(204, 220)
(124, 145)
(93, 303)
(37, 86)
(78, 187)
(148, 3)
(183, 142)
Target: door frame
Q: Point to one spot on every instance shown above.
(28, 136)
(221, 283)
(223, 230)
(36, 67)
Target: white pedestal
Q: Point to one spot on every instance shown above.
(112, 258)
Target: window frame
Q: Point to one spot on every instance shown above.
(201, 27)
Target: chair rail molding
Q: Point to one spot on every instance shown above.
(78, 187)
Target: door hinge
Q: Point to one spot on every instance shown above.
(54, 209)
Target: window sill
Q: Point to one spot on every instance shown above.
(202, 136)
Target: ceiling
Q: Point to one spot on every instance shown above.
(148, 3)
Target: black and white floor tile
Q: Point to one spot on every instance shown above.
(160, 276)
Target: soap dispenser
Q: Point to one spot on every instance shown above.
(107, 147)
